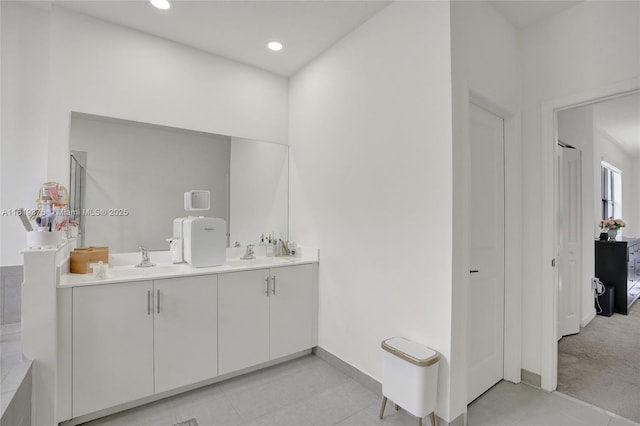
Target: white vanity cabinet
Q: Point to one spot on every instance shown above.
(243, 314)
(131, 340)
(112, 345)
(185, 331)
(264, 314)
(291, 310)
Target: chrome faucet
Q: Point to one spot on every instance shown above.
(248, 255)
(146, 260)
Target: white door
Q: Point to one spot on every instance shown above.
(569, 267)
(485, 320)
(291, 310)
(185, 331)
(243, 320)
(112, 345)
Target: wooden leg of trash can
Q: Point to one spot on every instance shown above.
(384, 403)
(419, 421)
(433, 418)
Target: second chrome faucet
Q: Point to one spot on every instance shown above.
(145, 262)
(249, 253)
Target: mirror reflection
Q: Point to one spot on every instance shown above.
(128, 181)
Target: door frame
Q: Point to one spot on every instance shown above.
(549, 297)
(463, 96)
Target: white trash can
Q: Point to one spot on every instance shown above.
(410, 377)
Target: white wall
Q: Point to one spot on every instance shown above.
(575, 127)
(486, 62)
(588, 47)
(104, 69)
(607, 148)
(2, 84)
(371, 184)
(259, 184)
(635, 179)
(24, 137)
(146, 170)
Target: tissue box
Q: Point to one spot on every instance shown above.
(83, 256)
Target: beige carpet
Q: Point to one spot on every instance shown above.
(601, 364)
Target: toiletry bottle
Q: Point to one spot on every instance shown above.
(269, 248)
(279, 247)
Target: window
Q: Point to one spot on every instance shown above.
(611, 188)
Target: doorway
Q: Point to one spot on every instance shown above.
(598, 365)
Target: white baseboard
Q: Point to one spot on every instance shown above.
(587, 319)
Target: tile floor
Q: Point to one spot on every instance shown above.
(10, 348)
(507, 404)
(13, 370)
(308, 391)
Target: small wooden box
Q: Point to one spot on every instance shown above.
(83, 256)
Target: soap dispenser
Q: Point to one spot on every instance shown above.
(176, 243)
(175, 246)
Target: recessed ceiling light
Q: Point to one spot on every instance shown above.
(275, 46)
(161, 4)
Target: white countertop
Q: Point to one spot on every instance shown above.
(121, 267)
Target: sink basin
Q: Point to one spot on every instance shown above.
(131, 271)
(258, 261)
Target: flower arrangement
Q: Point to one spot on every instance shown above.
(612, 223)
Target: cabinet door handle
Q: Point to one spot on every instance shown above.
(148, 302)
(273, 289)
(267, 290)
(473, 271)
(158, 301)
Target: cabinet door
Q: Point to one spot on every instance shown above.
(112, 345)
(185, 331)
(291, 310)
(634, 262)
(243, 320)
(631, 262)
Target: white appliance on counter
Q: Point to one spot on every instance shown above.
(204, 241)
(200, 241)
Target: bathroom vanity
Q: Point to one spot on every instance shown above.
(143, 334)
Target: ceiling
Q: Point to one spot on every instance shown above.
(524, 13)
(620, 119)
(240, 29)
